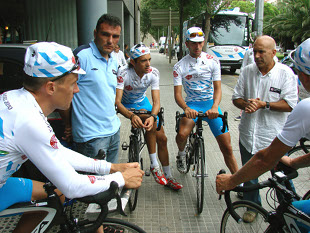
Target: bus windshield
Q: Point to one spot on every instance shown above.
(229, 30)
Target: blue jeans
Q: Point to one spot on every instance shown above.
(110, 145)
(253, 195)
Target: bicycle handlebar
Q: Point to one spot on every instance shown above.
(202, 115)
(102, 199)
(273, 182)
(160, 115)
(302, 144)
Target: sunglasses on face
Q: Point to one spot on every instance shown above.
(75, 67)
(194, 34)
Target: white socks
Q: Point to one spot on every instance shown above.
(167, 171)
(154, 162)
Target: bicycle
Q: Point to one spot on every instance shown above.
(195, 153)
(282, 219)
(59, 214)
(136, 145)
(301, 183)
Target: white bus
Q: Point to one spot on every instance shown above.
(228, 39)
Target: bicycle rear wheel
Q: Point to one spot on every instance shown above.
(229, 224)
(200, 174)
(119, 225)
(133, 156)
(302, 182)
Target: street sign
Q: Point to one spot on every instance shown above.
(164, 17)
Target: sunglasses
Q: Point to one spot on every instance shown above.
(194, 34)
(76, 66)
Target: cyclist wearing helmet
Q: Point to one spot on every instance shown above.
(200, 75)
(25, 133)
(132, 83)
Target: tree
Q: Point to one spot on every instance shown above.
(245, 6)
(292, 24)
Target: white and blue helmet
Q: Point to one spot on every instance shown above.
(195, 34)
(301, 57)
(138, 50)
(49, 59)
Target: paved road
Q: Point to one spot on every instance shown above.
(160, 209)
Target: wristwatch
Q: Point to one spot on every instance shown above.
(155, 117)
(267, 106)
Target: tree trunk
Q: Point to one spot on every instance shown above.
(180, 55)
(207, 28)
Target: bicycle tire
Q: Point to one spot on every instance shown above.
(229, 224)
(118, 224)
(301, 183)
(133, 156)
(189, 150)
(306, 196)
(200, 174)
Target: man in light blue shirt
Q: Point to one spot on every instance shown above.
(95, 124)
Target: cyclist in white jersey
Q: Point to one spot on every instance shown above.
(296, 127)
(50, 82)
(132, 84)
(200, 75)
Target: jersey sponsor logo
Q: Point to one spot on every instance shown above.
(188, 77)
(208, 56)
(6, 102)
(53, 142)
(3, 153)
(94, 68)
(92, 179)
(175, 74)
(120, 79)
(150, 70)
(24, 157)
(114, 72)
(128, 88)
(276, 90)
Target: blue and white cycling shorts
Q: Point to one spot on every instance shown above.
(15, 190)
(304, 206)
(215, 125)
(144, 104)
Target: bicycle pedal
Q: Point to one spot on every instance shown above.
(147, 172)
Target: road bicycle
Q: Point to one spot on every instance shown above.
(302, 182)
(136, 144)
(61, 215)
(195, 153)
(284, 218)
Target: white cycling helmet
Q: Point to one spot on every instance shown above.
(138, 50)
(49, 59)
(301, 57)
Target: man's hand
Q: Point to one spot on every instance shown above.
(254, 105)
(223, 182)
(67, 134)
(121, 167)
(148, 124)
(133, 177)
(136, 122)
(212, 113)
(190, 113)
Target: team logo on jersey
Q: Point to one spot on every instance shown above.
(188, 77)
(54, 142)
(3, 153)
(175, 74)
(24, 157)
(120, 79)
(128, 88)
(92, 179)
(209, 56)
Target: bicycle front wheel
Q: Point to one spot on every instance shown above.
(119, 225)
(200, 174)
(301, 183)
(229, 224)
(133, 156)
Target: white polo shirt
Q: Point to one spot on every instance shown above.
(257, 130)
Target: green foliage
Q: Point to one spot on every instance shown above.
(245, 6)
(291, 24)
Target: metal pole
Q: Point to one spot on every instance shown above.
(259, 15)
(169, 38)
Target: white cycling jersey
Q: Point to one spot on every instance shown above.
(26, 134)
(197, 76)
(297, 124)
(135, 87)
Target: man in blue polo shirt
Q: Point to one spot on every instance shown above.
(95, 124)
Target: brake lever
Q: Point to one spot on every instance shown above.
(119, 205)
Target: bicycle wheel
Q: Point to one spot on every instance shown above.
(119, 225)
(133, 156)
(229, 224)
(200, 174)
(306, 196)
(302, 182)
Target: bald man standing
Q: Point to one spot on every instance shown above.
(267, 92)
